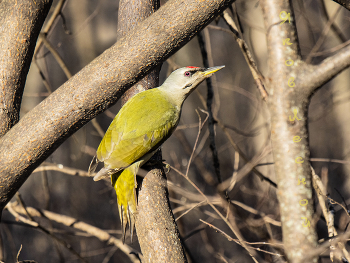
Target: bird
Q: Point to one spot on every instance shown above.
(141, 126)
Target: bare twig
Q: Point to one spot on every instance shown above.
(323, 35)
(102, 235)
(56, 55)
(233, 229)
(328, 215)
(49, 24)
(244, 157)
(209, 104)
(11, 207)
(61, 168)
(258, 77)
(229, 238)
(249, 166)
(195, 144)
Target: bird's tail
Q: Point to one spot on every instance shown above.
(124, 183)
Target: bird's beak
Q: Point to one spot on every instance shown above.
(211, 70)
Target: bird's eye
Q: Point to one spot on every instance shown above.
(187, 74)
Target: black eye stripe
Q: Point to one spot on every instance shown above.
(187, 86)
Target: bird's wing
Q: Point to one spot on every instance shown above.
(141, 126)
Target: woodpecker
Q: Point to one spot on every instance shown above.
(138, 130)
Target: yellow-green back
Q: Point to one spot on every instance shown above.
(141, 126)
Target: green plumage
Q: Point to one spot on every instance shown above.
(141, 126)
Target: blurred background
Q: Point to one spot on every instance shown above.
(87, 28)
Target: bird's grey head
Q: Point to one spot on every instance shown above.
(183, 81)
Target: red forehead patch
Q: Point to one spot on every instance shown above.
(191, 67)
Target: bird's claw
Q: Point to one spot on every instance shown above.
(167, 167)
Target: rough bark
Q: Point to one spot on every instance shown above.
(290, 84)
(20, 27)
(298, 240)
(157, 230)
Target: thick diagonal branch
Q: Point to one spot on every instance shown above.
(20, 27)
(98, 86)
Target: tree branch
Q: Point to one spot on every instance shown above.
(102, 235)
(98, 86)
(345, 3)
(21, 24)
(287, 97)
(314, 76)
(160, 233)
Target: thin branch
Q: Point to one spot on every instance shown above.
(56, 55)
(209, 104)
(200, 127)
(49, 24)
(244, 157)
(229, 238)
(325, 31)
(328, 215)
(324, 246)
(334, 26)
(256, 212)
(11, 207)
(233, 229)
(62, 64)
(247, 168)
(258, 77)
(328, 160)
(61, 168)
(74, 223)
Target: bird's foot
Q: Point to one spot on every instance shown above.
(166, 167)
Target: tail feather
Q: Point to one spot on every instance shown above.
(93, 165)
(124, 185)
(131, 220)
(123, 220)
(103, 173)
